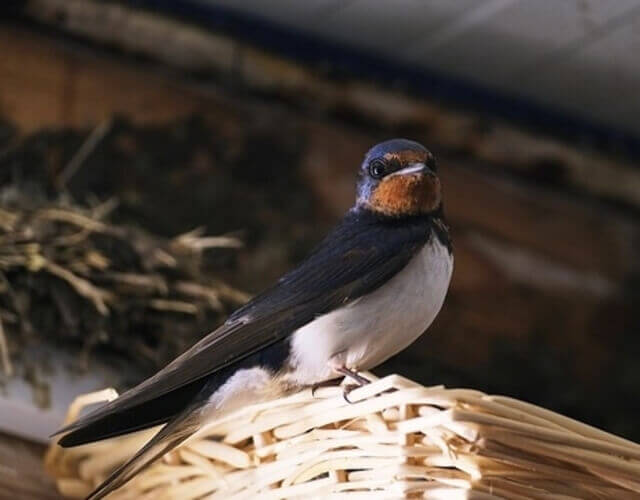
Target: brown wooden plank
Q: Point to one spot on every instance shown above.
(44, 86)
(186, 47)
(22, 474)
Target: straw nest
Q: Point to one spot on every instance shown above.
(397, 440)
(70, 277)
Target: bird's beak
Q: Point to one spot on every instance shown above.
(414, 168)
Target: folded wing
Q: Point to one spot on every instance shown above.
(360, 254)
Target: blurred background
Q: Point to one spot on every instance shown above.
(160, 161)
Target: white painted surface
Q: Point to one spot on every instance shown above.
(576, 55)
(19, 414)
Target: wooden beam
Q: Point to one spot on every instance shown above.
(188, 48)
(21, 471)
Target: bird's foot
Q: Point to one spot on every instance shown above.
(356, 377)
(346, 390)
(353, 375)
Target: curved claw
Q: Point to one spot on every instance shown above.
(353, 375)
(345, 393)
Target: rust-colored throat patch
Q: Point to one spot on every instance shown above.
(412, 194)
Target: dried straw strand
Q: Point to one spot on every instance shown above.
(399, 439)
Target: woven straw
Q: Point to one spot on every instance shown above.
(397, 440)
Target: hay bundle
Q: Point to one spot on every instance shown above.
(398, 440)
(71, 278)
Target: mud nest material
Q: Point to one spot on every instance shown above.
(399, 440)
(70, 278)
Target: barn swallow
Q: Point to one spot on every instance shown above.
(366, 292)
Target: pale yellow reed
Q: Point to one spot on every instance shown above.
(398, 440)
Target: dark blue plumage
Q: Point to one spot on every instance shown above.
(305, 327)
(393, 146)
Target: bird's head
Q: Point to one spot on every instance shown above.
(398, 178)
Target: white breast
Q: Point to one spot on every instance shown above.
(376, 326)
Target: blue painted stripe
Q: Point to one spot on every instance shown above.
(346, 61)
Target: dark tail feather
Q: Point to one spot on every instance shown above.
(171, 435)
(142, 416)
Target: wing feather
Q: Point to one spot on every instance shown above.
(358, 256)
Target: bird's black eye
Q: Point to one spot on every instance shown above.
(377, 169)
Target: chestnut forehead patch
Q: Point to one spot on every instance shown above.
(407, 156)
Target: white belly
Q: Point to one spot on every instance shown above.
(374, 327)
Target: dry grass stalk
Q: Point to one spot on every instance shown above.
(69, 276)
(5, 359)
(398, 440)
